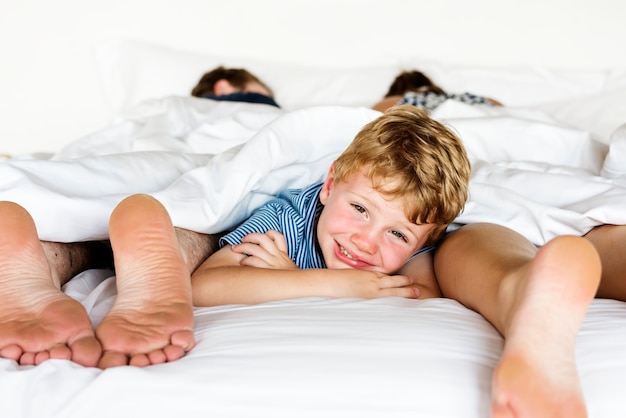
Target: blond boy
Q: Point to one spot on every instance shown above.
(390, 194)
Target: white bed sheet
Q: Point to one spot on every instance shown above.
(312, 357)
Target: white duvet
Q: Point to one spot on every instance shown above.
(211, 164)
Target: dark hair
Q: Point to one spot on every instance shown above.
(237, 77)
(412, 81)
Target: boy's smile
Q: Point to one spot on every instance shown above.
(363, 229)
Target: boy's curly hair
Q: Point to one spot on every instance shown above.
(427, 158)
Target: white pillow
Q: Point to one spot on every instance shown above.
(133, 71)
(600, 113)
(519, 86)
(614, 166)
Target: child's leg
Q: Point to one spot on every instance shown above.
(537, 299)
(37, 320)
(151, 320)
(610, 241)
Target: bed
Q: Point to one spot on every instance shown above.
(211, 163)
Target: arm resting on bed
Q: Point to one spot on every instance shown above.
(221, 280)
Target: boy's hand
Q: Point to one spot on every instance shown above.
(268, 250)
(368, 284)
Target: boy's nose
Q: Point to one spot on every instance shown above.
(365, 241)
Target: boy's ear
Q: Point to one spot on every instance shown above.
(223, 87)
(328, 184)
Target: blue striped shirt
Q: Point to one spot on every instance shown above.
(294, 214)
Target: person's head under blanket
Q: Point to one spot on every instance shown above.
(233, 84)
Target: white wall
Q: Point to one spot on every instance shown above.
(49, 85)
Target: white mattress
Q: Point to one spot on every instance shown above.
(312, 357)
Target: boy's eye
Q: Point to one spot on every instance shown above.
(358, 208)
(399, 235)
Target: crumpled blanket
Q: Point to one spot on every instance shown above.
(212, 163)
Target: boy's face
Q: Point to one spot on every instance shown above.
(361, 228)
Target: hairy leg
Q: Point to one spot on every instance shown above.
(69, 259)
(196, 247)
(610, 242)
(37, 320)
(537, 299)
(151, 320)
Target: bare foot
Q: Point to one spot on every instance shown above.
(537, 376)
(151, 321)
(37, 321)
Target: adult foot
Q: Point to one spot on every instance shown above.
(151, 321)
(37, 321)
(537, 375)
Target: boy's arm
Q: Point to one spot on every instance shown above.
(221, 280)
